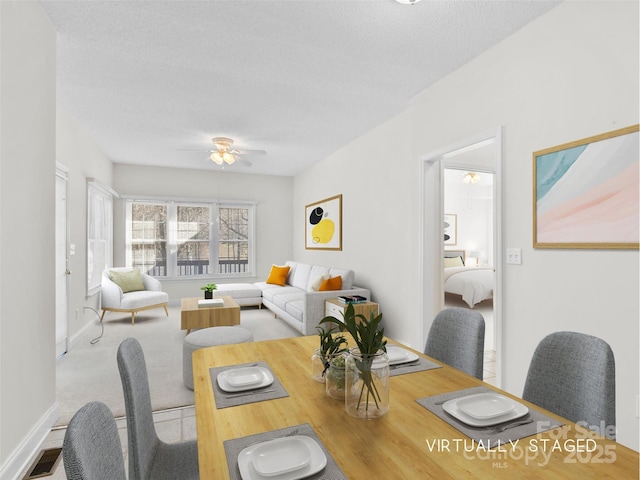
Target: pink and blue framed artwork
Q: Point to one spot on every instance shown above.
(585, 193)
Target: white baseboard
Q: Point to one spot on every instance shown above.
(20, 459)
(73, 340)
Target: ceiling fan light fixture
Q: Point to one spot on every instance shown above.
(217, 158)
(229, 158)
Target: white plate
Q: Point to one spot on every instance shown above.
(398, 355)
(240, 377)
(244, 378)
(451, 407)
(247, 460)
(280, 456)
(485, 405)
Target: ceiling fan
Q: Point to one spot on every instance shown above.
(225, 153)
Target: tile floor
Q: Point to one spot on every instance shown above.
(489, 375)
(174, 425)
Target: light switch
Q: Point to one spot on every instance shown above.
(514, 256)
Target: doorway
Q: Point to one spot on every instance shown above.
(480, 155)
(469, 247)
(62, 261)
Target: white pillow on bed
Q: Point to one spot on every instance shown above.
(453, 262)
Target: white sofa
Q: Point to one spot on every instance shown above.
(297, 303)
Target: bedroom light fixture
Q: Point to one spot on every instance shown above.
(471, 178)
(407, 2)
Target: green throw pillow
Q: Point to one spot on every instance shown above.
(128, 281)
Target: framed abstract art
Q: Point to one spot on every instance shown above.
(323, 224)
(585, 193)
(450, 229)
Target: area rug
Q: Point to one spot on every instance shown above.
(90, 371)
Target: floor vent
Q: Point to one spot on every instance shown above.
(45, 464)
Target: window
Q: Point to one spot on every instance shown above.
(194, 240)
(148, 238)
(190, 239)
(233, 239)
(99, 233)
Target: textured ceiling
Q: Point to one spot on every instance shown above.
(149, 80)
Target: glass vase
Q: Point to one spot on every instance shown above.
(317, 366)
(367, 384)
(335, 378)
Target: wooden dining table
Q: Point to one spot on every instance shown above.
(409, 442)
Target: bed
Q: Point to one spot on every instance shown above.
(473, 284)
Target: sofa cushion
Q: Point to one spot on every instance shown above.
(127, 280)
(283, 299)
(270, 291)
(300, 277)
(347, 277)
(316, 271)
(333, 283)
(238, 290)
(294, 308)
(315, 285)
(292, 268)
(278, 275)
(144, 298)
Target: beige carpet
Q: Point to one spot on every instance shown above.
(90, 372)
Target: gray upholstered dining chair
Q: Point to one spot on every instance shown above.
(574, 375)
(456, 337)
(91, 449)
(149, 457)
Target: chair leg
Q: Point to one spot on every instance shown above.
(103, 314)
(133, 318)
(165, 310)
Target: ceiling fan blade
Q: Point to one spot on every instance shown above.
(244, 161)
(249, 151)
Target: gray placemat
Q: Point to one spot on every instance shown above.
(232, 399)
(488, 437)
(233, 448)
(411, 367)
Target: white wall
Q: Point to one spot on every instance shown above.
(568, 75)
(27, 219)
(380, 208)
(84, 159)
(273, 211)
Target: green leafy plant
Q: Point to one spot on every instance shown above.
(336, 377)
(209, 287)
(369, 338)
(330, 346)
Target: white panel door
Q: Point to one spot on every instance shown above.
(62, 262)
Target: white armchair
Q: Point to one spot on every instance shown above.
(136, 298)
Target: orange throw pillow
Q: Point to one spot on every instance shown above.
(334, 283)
(278, 275)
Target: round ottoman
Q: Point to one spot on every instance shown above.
(209, 337)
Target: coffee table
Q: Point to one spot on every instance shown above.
(192, 316)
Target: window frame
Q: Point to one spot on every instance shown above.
(172, 240)
(99, 195)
